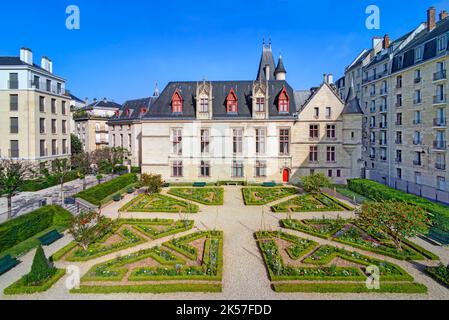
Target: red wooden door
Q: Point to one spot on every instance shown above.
(286, 176)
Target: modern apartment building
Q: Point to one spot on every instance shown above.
(257, 130)
(404, 100)
(91, 124)
(35, 108)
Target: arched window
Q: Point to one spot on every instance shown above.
(177, 102)
(232, 102)
(284, 102)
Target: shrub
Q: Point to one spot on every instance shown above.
(41, 270)
(24, 227)
(152, 182)
(314, 183)
(376, 191)
(96, 195)
(136, 170)
(47, 182)
(121, 169)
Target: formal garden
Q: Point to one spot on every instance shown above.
(295, 264)
(192, 263)
(258, 196)
(158, 203)
(312, 203)
(206, 196)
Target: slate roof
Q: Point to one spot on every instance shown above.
(266, 59)
(134, 106)
(104, 104)
(301, 97)
(15, 61)
(73, 97)
(352, 105)
(280, 67)
(162, 109)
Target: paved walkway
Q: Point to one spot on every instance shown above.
(244, 274)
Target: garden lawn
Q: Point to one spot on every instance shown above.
(348, 232)
(158, 203)
(311, 203)
(20, 287)
(258, 196)
(206, 196)
(191, 258)
(323, 268)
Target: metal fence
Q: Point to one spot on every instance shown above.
(421, 190)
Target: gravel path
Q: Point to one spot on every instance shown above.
(244, 274)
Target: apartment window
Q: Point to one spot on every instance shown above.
(59, 88)
(440, 97)
(399, 100)
(177, 169)
(237, 169)
(13, 81)
(53, 106)
(314, 130)
(41, 104)
(260, 141)
(13, 102)
(418, 178)
(64, 146)
(53, 126)
(417, 138)
(14, 149)
(373, 106)
(399, 173)
(14, 125)
(418, 158)
(399, 137)
(383, 154)
(113, 141)
(330, 173)
(417, 76)
(418, 97)
(331, 154)
(331, 131)
(316, 112)
(419, 53)
(440, 162)
(129, 142)
(261, 169)
(237, 141)
(121, 141)
(372, 153)
(43, 151)
(441, 183)
(373, 90)
(399, 82)
(49, 85)
(260, 104)
(313, 154)
(418, 118)
(204, 105)
(328, 112)
(399, 119)
(399, 156)
(42, 125)
(338, 173)
(204, 169)
(441, 43)
(205, 141)
(373, 122)
(373, 137)
(177, 141)
(64, 127)
(284, 140)
(63, 108)
(54, 148)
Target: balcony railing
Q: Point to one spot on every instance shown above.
(417, 79)
(398, 141)
(384, 108)
(383, 125)
(372, 94)
(398, 104)
(383, 91)
(440, 166)
(383, 142)
(439, 99)
(42, 85)
(439, 122)
(440, 75)
(440, 145)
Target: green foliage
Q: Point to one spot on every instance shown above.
(158, 203)
(311, 203)
(136, 170)
(20, 286)
(259, 195)
(24, 227)
(152, 182)
(99, 193)
(47, 181)
(121, 169)
(151, 288)
(440, 273)
(377, 192)
(206, 196)
(315, 182)
(76, 144)
(41, 270)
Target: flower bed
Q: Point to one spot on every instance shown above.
(206, 196)
(260, 196)
(440, 274)
(347, 232)
(158, 203)
(327, 265)
(311, 203)
(163, 265)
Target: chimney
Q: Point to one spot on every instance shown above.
(95, 100)
(376, 41)
(325, 77)
(330, 78)
(443, 15)
(267, 72)
(105, 100)
(47, 64)
(387, 41)
(431, 21)
(26, 55)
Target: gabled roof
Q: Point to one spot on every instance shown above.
(301, 97)
(73, 97)
(134, 106)
(102, 104)
(161, 108)
(266, 59)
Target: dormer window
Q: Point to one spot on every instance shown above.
(260, 104)
(284, 102)
(177, 102)
(204, 105)
(419, 54)
(232, 102)
(143, 111)
(117, 113)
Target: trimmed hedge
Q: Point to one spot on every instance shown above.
(20, 286)
(376, 191)
(47, 182)
(24, 227)
(151, 288)
(98, 194)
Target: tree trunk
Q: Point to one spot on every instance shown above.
(9, 207)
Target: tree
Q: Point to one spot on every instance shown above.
(61, 170)
(314, 183)
(153, 183)
(400, 220)
(81, 163)
(41, 270)
(13, 174)
(108, 158)
(77, 145)
(87, 227)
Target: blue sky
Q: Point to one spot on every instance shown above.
(124, 47)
